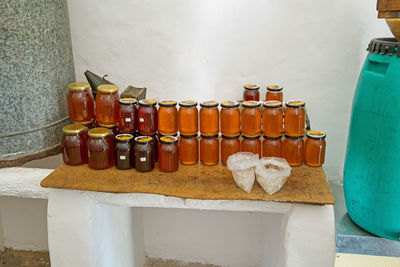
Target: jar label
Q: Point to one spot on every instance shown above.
(141, 119)
(128, 119)
(122, 157)
(143, 159)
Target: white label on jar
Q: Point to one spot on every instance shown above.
(122, 157)
(128, 119)
(143, 159)
(141, 119)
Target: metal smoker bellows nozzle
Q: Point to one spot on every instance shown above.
(390, 10)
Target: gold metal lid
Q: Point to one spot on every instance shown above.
(167, 103)
(209, 104)
(251, 104)
(73, 128)
(168, 139)
(79, 86)
(295, 104)
(274, 88)
(188, 103)
(147, 102)
(107, 125)
(107, 88)
(272, 104)
(127, 101)
(230, 104)
(251, 86)
(316, 135)
(98, 132)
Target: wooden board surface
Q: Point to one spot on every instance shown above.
(388, 5)
(305, 185)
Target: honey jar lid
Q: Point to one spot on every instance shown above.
(147, 102)
(79, 86)
(73, 128)
(143, 139)
(209, 104)
(231, 137)
(272, 104)
(188, 103)
(209, 136)
(99, 132)
(274, 88)
(319, 135)
(229, 104)
(272, 138)
(294, 137)
(295, 104)
(250, 86)
(168, 139)
(251, 137)
(167, 103)
(123, 137)
(251, 104)
(188, 136)
(83, 122)
(108, 125)
(107, 88)
(127, 101)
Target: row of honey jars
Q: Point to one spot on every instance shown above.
(251, 93)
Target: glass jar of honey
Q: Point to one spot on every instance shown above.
(251, 144)
(87, 124)
(167, 117)
(251, 92)
(124, 152)
(272, 118)
(144, 154)
(112, 127)
(80, 102)
(273, 146)
(73, 144)
(100, 149)
(315, 148)
(229, 145)
(147, 116)
(127, 115)
(250, 118)
(154, 144)
(293, 150)
(230, 118)
(107, 104)
(209, 150)
(295, 118)
(209, 118)
(188, 149)
(168, 154)
(274, 92)
(188, 117)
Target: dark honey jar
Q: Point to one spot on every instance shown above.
(251, 92)
(144, 157)
(74, 149)
(124, 151)
(100, 149)
(168, 154)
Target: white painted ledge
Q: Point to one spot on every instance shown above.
(23, 182)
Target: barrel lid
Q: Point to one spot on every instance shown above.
(384, 46)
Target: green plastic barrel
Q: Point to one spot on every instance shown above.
(372, 165)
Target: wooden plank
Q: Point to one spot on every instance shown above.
(388, 14)
(388, 5)
(305, 185)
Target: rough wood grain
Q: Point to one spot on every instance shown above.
(388, 5)
(305, 185)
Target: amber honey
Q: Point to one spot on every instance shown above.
(209, 118)
(107, 104)
(230, 118)
(250, 118)
(295, 118)
(273, 146)
(274, 92)
(73, 144)
(80, 102)
(168, 154)
(251, 144)
(167, 117)
(251, 92)
(188, 117)
(147, 116)
(272, 118)
(293, 150)
(229, 145)
(315, 148)
(127, 115)
(209, 150)
(188, 149)
(100, 149)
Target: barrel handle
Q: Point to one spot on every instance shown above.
(377, 67)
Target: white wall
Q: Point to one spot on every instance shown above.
(204, 49)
